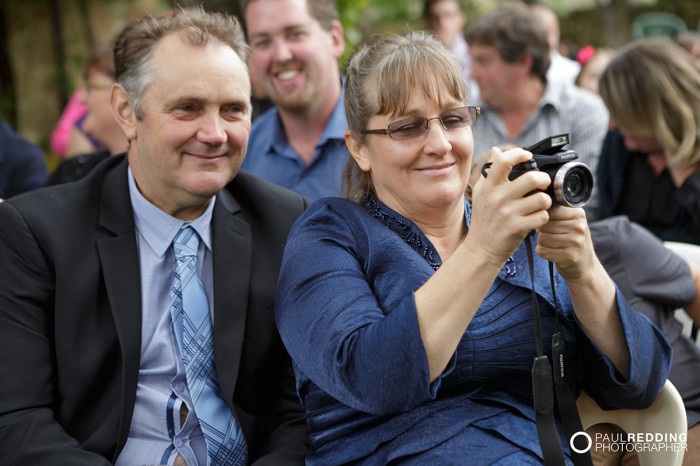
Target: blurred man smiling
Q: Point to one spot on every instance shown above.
(299, 143)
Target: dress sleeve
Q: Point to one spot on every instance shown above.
(331, 321)
(650, 361)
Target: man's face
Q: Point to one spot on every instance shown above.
(294, 57)
(195, 127)
(447, 20)
(494, 76)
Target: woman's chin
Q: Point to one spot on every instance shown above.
(445, 197)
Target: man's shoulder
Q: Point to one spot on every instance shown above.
(264, 122)
(62, 199)
(66, 216)
(76, 168)
(262, 135)
(571, 96)
(253, 192)
(621, 236)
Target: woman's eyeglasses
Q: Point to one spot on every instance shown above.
(97, 86)
(417, 126)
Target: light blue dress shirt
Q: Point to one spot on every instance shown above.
(155, 436)
(271, 157)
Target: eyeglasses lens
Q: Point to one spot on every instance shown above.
(418, 126)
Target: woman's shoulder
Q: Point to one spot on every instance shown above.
(330, 215)
(342, 222)
(336, 209)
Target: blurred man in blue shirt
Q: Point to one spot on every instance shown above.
(299, 143)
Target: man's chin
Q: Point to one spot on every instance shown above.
(291, 104)
(208, 184)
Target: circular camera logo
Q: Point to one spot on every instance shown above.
(577, 446)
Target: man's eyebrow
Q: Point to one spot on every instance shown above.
(286, 29)
(190, 99)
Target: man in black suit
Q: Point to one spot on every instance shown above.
(90, 367)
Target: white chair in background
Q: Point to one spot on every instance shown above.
(666, 415)
(691, 253)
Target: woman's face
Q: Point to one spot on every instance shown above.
(421, 174)
(639, 143)
(100, 123)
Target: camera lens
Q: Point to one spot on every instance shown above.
(572, 184)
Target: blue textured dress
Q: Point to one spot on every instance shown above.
(346, 312)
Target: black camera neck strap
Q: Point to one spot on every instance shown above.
(542, 386)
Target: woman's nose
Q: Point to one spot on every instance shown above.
(437, 138)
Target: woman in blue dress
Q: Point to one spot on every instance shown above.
(408, 310)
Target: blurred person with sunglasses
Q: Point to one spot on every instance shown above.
(407, 309)
(99, 122)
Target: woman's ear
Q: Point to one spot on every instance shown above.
(358, 151)
(123, 111)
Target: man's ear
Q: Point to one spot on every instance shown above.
(358, 151)
(337, 39)
(526, 62)
(123, 111)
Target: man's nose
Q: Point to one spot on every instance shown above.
(211, 130)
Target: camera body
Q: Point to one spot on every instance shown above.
(572, 182)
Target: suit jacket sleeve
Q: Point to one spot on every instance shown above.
(287, 443)
(29, 432)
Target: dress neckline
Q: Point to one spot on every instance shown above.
(405, 228)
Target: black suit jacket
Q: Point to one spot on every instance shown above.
(70, 319)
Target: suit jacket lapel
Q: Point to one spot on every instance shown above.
(232, 246)
(120, 266)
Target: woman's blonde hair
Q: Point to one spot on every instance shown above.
(652, 88)
(380, 79)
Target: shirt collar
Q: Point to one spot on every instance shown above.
(337, 124)
(552, 95)
(159, 228)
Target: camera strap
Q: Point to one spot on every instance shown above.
(542, 386)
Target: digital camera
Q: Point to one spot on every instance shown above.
(572, 182)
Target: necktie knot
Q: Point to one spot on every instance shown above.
(186, 242)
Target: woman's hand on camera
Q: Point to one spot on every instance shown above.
(566, 241)
(504, 211)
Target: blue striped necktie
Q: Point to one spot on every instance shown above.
(193, 328)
